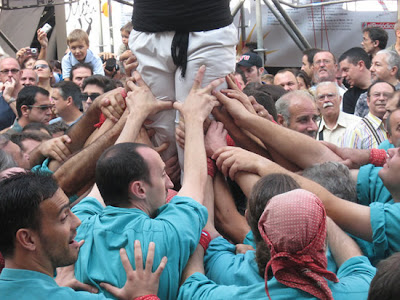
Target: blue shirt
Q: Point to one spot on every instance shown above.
(385, 145)
(354, 275)
(30, 285)
(69, 61)
(175, 230)
(370, 187)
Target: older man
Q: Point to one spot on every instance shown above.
(370, 131)
(297, 110)
(10, 74)
(386, 67)
(334, 121)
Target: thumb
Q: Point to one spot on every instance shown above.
(79, 286)
(116, 292)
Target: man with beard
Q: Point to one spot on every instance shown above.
(334, 122)
(297, 110)
(370, 131)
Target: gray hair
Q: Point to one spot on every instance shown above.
(6, 161)
(283, 103)
(335, 177)
(392, 59)
(327, 83)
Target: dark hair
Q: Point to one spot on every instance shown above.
(80, 65)
(101, 81)
(376, 82)
(265, 100)
(27, 96)
(57, 127)
(19, 137)
(20, 197)
(385, 284)
(69, 89)
(55, 64)
(266, 188)
(354, 55)
(306, 78)
(36, 126)
(377, 34)
(310, 54)
(241, 73)
(274, 91)
(116, 168)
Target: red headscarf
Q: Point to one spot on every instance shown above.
(293, 225)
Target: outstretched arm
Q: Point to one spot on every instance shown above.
(298, 148)
(195, 110)
(351, 217)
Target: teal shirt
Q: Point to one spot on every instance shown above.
(385, 145)
(175, 230)
(385, 223)
(223, 266)
(354, 275)
(370, 187)
(31, 285)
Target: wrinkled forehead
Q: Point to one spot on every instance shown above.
(381, 87)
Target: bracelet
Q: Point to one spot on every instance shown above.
(377, 157)
(147, 297)
(12, 100)
(205, 240)
(211, 167)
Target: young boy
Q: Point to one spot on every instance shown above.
(123, 51)
(78, 43)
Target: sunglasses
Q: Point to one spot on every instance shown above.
(92, 96)
(6, 71)
(41, 107)
(41, 66)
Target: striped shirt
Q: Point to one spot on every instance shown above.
(361, 137)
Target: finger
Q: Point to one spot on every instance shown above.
(79, 286)
(162, 147)
(125, 261)
(150, 256)
(66, 139)
(220, 151)
(110, 113)
(138, 79)
(138, 256)
(164, 105)
(131, 85)
(177, 105)
(57, 157)
(199, 78)
(116, 292)
(224, 100)
(80, 243)
(161, 266)
(214, 84)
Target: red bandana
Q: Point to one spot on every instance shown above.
(293, 225)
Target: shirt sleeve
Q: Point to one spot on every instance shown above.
(224, 266)
(97, 65)
(88, 207)
(370, 187)
(66, 66)
(385, 223)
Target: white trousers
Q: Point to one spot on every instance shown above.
(216, 49)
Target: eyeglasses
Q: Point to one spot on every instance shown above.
(42, 107)
(92, 96)
(6, 71)
(330, 96)
(41, 66)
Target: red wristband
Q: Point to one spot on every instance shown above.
(211, 167)
(205, 240)
(147, 297)
(377, 157)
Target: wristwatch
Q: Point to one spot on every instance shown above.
(12, 99)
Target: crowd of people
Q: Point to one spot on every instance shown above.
(180, 169)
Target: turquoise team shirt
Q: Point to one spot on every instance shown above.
(385, 145)
(224, 266)
(175, 231)
(354, 275)
(18, 284)
(370, 187)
